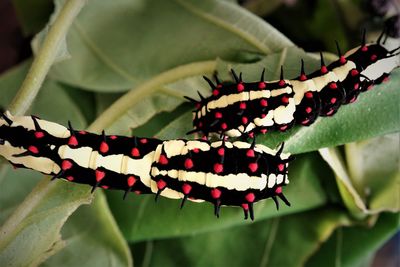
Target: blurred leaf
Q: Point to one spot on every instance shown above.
(149, 220)
(153, 36)
(258, 244)
(351, 246)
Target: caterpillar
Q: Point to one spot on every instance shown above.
(245, 108)
(222, 173)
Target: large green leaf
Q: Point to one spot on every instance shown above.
(149, 220)
(117, 45)
(283, 241)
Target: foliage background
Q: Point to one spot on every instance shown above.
(148, 55)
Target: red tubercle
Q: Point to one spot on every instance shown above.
(39, 135)
(70, 178)
(263, 116)
(386, 79)
(240, 87)
(263, 131)
(285, 99)
(161, 184)
(204, 137)
(196, 150)
(82, 132)
(163, 160)
(245, 120)
(353, 99)
(250, 153)
(188, 163)
(137, 192)
(283, 128)
(143, 140)
(330, 112)
(262, 85)
(305, 122)
(66, 165)
(224, 126)
(342, 60)
(215, 193)
(324, 70)
(253, 166)
(364, 48)
(186, 188)
(135, 152)
(197, 105)
(250, 197)
(303, 77)
(333, 100)
(354, 72)
(113, 137)
(263, 102)
(374, 57)
(282, 83)
(131, 181)
(33, 149)
(309, 95)
(245, 206)
(251, 135)
(99, 175)
(215, 92)
(333, 85)
(242, 105)
(221, 151)
(218, 168)
(219, 86)
(218, 115)
(308, 110)
(105, 186)
(281, 167)
(356, 86)
(104, 147)
(72, 141)
(278, 190)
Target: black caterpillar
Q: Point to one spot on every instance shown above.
(222, 172)
(243, 109)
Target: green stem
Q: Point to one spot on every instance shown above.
(123, 104)
(45, 57)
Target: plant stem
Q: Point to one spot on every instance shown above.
(124, 103)
(45, 57)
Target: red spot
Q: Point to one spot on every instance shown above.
(250, 153)
(309, 95)
(330, 112)
(285, 99)
(263, 116)
(251, 135)
(66, 165)
(250, 197)
(161, 184)
(333, 85)
(240, 87)
(39, 134)
(374, 57)
(33, 149)
(163, 160)
(278, 190)
(137, 192)
(305, 122)
(324, 69)
(188, 164)
(82, 132)
(354, 72)
(197, 105)
(196, 150)
(131, 181)
(224, 126)
(135, 152)
(253, 166)
(215, 193)
(245, 206)
(99, 175)
(70, 178)
(242, 105)
(143, 141)
(303, 77)
(204, 137)
(72, 141)
(103, 147)
(342, 60)
(186, 188)
(386, 79)
(215, 92)
(333, 100)
(308, 110)
(263, 131)
(105, 186)
(263, 102)
(218, 115)
(244, 120)
(113, 137)
(261, 85)
(218, 168)
(356, 86)
(364, 48)
(282, 83)
(221, 151)
(281, 167)
(283, 128)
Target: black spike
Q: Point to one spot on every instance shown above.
(217, 207)
(70, 128)
(246, 213)
(276, 202)
(322, 59)
(23, 154)
(35, 122)
(235, 76)
(103, 134)
(201, 97)
(251, 211)
(209, 82)
(58, 175)
(289, 159)
(302, 71)
(240, 77)
(280, 149)
(381, 35)
(7, 119)
(157, 195)
(191, 100)
(262, 75)
(183, 201)
(127, 192)
(216, 78)
(363, 38)
(338, 48)
(94, 187)
(284, 199)
(281, 77)
(253, 144)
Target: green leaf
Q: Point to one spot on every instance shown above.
(153, 37)
(351, 246)
(284, 241)
(149, 220)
